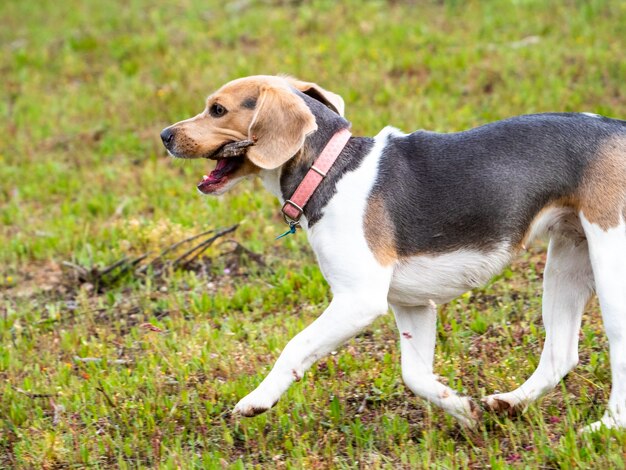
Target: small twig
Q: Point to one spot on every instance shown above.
(361, 408)
(234, 149)
(100, 388)
(58, 412)
(34, 395)
(172, 247)
(587, 380)
(198, 250)
(127, 267)
(151, 327)
(138, 259)
(120, 208)
(239, 249)
(201, 247)
(82, 271)
(111, 267)
(98, 359)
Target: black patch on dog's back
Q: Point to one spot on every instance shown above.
(477, 188)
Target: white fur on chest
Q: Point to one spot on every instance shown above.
(338, 238)
(443, 277)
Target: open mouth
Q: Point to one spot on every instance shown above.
(220, 174)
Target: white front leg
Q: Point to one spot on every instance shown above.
(346, 316)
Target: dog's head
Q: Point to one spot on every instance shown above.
(267, 111)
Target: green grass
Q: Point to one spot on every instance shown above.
(86, 88)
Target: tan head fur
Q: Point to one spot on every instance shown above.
(264, 109)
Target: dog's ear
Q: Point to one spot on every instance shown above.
(280, 123)
(328, 98)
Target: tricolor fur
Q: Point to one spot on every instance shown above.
(409, 220)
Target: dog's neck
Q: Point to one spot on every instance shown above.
(283, 181)
(328, 123)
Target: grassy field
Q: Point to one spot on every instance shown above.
(142, 370)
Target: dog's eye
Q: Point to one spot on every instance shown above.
(217, 110)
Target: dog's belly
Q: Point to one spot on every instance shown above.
(440, 278)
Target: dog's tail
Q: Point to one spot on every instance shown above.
(553, 219)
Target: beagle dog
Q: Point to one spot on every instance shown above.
(408, 221)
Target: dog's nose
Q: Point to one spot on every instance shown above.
(167, 135)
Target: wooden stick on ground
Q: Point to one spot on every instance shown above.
(201, 247)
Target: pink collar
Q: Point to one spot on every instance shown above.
(294, 206)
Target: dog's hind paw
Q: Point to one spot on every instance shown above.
(607, 422)
(504, 403)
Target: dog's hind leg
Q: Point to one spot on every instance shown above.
(568, 284)
(607, 249)
(417, 327)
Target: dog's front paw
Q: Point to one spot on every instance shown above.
(470, 414)
(253, 404)
(504, 403)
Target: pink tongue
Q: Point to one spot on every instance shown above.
(220, 164)
(215, 174)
